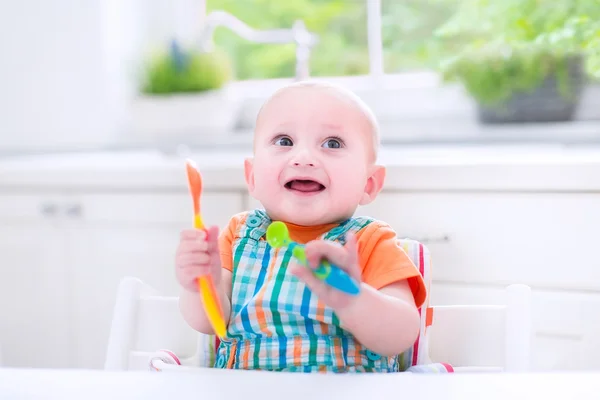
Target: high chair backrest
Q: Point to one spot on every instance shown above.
(144, 322)
(418, 253)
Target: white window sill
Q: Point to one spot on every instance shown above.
(418, 100)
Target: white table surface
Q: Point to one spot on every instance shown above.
(243, 385)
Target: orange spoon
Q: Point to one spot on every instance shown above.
(210, 299)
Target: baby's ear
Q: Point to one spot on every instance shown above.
(249, 174)
(374, 184)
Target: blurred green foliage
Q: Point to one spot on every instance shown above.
(492, 75)
(342, 29)
(185, 70)
(516, 44)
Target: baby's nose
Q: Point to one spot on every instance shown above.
(303, 158)
(302, 164)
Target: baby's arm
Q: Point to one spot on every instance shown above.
(387, 321)
(192, 309)
(384, 316)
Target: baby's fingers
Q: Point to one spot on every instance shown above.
(213, 238)
(193, 246)
(322, 249)
(191, 234)
(345, 257)
(192, 259)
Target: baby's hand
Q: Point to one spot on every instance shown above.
(345, 257)
(197, 255)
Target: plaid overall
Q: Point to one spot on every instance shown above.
(276, 323)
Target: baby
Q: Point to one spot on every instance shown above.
(315, 151)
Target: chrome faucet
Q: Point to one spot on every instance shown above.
(298, 34)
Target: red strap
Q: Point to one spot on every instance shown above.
(429, 317)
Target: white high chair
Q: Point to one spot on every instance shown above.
(144, 322)
(137, 334)
(483, 338)
(468, 337)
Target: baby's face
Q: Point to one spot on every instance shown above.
(313, 158)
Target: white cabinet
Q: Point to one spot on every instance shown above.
(127, 235)
(566, 325)
(544, 240)
(34, 296)
(61, 259)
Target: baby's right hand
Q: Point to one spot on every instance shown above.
(196, 256)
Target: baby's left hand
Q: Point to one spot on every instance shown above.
(345, 257)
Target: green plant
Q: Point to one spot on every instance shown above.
(491, 75)
(514, 45)
(184, 71)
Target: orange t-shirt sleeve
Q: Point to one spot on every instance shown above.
(384, 262)
(226, 240)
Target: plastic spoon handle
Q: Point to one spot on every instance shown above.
(210, 298)
(206, 287)
(340, 279)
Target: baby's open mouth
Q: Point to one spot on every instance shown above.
(304, 185)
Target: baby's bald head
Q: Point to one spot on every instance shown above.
(340, 93)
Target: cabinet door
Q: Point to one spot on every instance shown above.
(544, 240)
(565, 325)
(127, 235)
(34, 296)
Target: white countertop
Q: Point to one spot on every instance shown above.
(212, 384)
(409, 168)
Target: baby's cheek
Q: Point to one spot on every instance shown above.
(265, 176)
(268, 189)
(349, 191)
(345, 191)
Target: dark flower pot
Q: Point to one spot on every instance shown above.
(544, 104)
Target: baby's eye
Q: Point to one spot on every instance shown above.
(332, 144)
(283, 141)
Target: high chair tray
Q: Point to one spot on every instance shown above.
(213, 384)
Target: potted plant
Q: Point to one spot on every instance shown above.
(524, 60)
(185, 92)
(528, 84)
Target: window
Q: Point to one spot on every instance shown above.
(356, 37)
(392, 51)
(340, 24)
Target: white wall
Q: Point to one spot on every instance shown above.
(161, 19)
(68, 66)
(53, 74)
